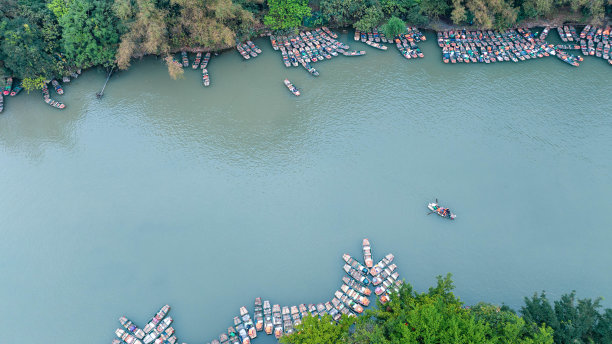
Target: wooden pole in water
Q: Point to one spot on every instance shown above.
(101, 93)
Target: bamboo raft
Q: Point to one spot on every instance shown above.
(351, 298)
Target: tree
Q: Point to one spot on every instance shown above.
(435, 8)
(458, 14)
(286, 14)
(175, 68)
(573, 320)
(372, 17)
(343, 12)
(394, 27)
(324, 330)
(90, 34)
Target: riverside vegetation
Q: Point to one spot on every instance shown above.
(438, 316)
(42, 39)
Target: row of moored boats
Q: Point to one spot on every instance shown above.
(156, 331)
(406, 43)
(248, 49)
(350, 299)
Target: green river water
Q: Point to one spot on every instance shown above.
(166, 192)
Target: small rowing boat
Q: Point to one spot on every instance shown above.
(444, 212)
(291, 88)
(196, 62)
(185, 59)
(57, 86)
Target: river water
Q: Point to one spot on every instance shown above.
(165, 192)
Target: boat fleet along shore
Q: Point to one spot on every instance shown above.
(362, 282)
(457, 46)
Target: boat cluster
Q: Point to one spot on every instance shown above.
(156, 331)
(248, 49)
(309, 47)
(58, 89)
(350, 299)
(491, 46)
(8, 90)
(596, 41)
(406, 43)
(198, 62)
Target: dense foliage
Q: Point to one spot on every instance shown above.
(438, 316)
(41, 39)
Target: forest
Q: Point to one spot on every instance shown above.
(42, 39)
(438, 316)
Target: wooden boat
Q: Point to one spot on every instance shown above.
(196, 62)
(57, 86)
(356, 275)
(258, 314)
(383, 275)
(131, 327)
(303, 310)
(223, 338)
(376, 45)
(242, 332)
(16, 90)
(355, 264)
(367, 253)
(273, 42)
(291, 88)
(348, 302)
(385, 297)
(329, 32)
(321, 309)
(254, 47)
(126, 337)
(386, 283)
(353, 294)
(233, 336)
(295, 316)
(204, 63)
(357, 35)
(205, 78)
(8, 86)
(242, 52)
(267, 311)
(55, 103)
(277, 321)
(185, 59)
(444, 212)
(1, 102)
(382, 264)
(353, 284)
(354, 53)
(312, 309)
(248, 323)
(287, 324)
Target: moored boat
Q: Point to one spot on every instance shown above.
(376, 45)
(196, 62)
(367, 253)
(258, 314)
(8, 86)
(353, 284)
(277, 321)
(16, 90)
(383, 275)
(380, 266)
(185, 59)
(353, 294)
(355, 264)
(1, 102)
(57, 87)
(233, 336)
(204, 63)
(205, 77)
(354, 53)
(267, 311)
(130, 326)
(248, 323)
(356, 275)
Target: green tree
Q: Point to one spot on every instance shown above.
(90, 33)
(394, 27)
(573, 320)
(371, 19)
(324, 330)
(435, 8)
(343, 12)
(286, 14)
